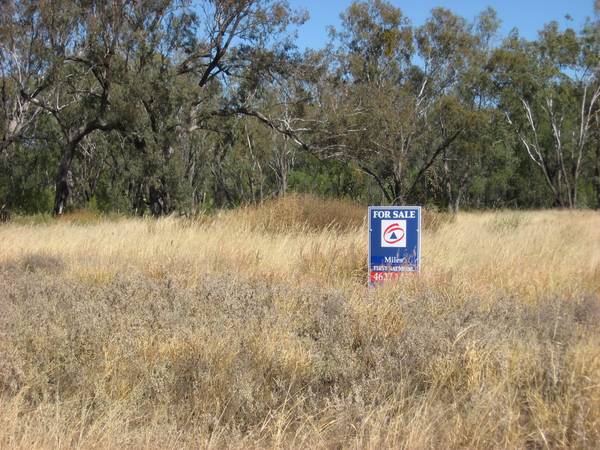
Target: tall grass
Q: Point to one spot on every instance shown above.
(254, 328)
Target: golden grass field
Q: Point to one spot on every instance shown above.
(254, 328)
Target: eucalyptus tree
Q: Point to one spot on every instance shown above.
(83, 46)
(477, 152)
(290, 99)
(203, 85)
(591, 43)
(153, 71)
(549, 94)
(26, 68)
(398, 78)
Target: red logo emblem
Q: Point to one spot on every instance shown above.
(393, 233)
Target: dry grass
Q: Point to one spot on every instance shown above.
(254, 329)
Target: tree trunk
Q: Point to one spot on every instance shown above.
(282, 165)
(61, 195)
(597, 175)
(283, 182)
(399, 196)
(385, 194)
(449, 194)
(398, 190)
(459, 195)
(456, 205)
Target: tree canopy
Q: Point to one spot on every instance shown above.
(175, 106)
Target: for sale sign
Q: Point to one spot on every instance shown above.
(394, 241)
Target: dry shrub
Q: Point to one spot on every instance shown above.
(247, 363)
(332, 260)
(507, 222)
(81, 217)
(301, 212)
(433, 220)
(33, 262)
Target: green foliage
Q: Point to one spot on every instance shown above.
(25, 179)
(151, 109)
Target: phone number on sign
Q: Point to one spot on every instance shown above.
(384, 276)
(387, 276)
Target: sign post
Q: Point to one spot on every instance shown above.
(394, 241)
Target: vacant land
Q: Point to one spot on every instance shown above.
(254, 328)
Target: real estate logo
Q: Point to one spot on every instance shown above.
(393, 233)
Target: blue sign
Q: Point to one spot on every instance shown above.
(394, 241)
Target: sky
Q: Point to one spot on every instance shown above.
(529, 16)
